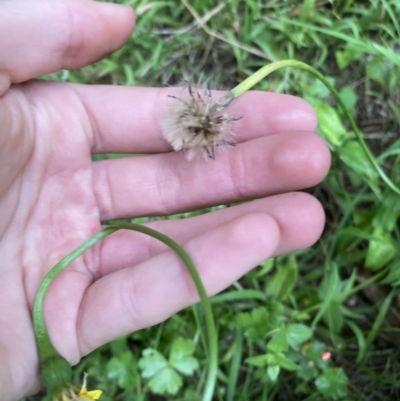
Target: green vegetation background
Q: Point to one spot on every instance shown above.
(321, 324)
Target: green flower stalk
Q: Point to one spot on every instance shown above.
(55, 371)
(263, 72)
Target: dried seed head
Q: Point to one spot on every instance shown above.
(196, 124)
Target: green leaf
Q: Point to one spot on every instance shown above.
(332, 383)
(353, 156)
(297, 333)
(330, 286)
(190, 394)
(256, 323)
(330, 124)
(393, 277)
(348, 285)
(292, 334)
(349, 98)
(266, 267)
(166, 381)
(151, 362)
(333, 316)
(273, 372)
(271, 360)
(380, 249)
(237, 52)
(285, 363)
(181, 357)
(383, 309)
(377, 70)
(316, 89)
(308, 7)
(235, 365)
(350, 53)
(279, 342)
(361, 343)
(307, 370)
(244, 320)
(330, 294)
(284, 279)
(162, 374)
(122, 369)
(238, 296)
(259, 360)
(388, 212)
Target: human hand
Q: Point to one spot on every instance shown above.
(53, 197)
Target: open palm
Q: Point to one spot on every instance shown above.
(53, 197)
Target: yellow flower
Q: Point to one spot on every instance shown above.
(75, 394)
(84, 394)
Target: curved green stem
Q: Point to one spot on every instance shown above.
(49, 358)
(209, 318)
(268, 69)
(55, 371)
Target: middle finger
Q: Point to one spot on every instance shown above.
(167, 183)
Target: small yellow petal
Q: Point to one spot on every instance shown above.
(95, 394)
(90, 395)
(84, 394)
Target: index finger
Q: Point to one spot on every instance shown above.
(128, 120)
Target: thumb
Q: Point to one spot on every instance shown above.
(42, 36)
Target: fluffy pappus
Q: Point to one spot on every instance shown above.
(197, 125)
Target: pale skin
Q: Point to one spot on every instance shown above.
(53, 197)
